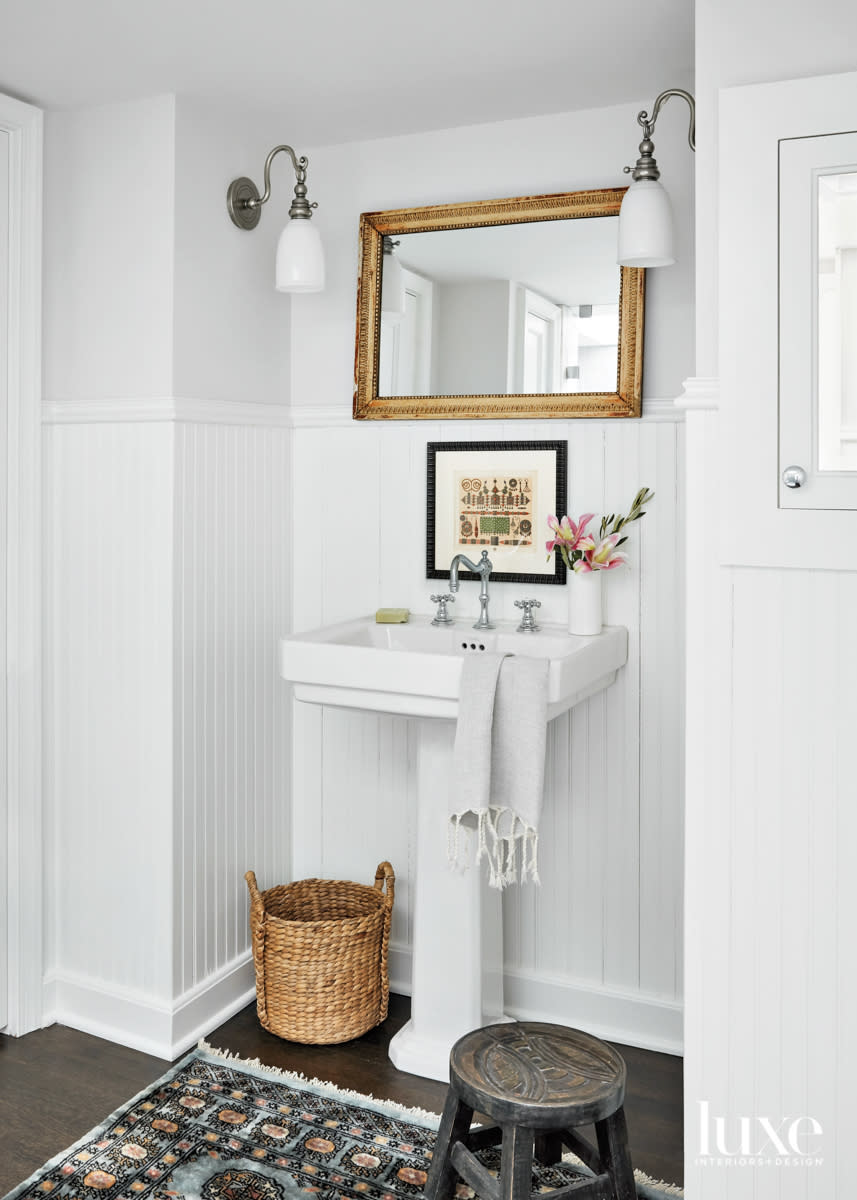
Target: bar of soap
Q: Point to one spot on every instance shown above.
(392, 616)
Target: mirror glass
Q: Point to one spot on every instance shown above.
(836, 380)
(498, 308)
(504, 309)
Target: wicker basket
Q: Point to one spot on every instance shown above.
(320, 952)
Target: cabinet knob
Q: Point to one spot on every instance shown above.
(794, 477)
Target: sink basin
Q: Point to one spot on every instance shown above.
(415, 669)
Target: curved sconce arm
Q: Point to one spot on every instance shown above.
(245, 204)
(646, 166)
(648, 123)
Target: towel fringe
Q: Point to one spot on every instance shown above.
(501, 850)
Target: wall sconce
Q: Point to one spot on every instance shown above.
(645, 219)
(300, 256)
(392, 281)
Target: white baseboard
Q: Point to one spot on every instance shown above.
(630, 1018)
(208, 1005)
(399, 964)
(143, 1022)
(166, 1031)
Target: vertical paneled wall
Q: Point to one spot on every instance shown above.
(231, 749)
(600, 941)
(166, 732)
(108, 711)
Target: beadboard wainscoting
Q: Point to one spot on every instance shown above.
(600, 942)
(167, 772)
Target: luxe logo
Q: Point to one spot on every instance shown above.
(758, 1140)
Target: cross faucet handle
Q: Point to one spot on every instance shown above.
(442, 616)
(528, 621)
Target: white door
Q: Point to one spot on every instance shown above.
(404, 368)
(4, 409)
(21, 869)
(542, 320)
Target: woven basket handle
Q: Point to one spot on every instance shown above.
(255, 895)
(257, 930)
(383, 875)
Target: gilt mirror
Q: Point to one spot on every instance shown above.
(496, 309)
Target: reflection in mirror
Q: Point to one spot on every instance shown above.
(837, 321)
(504, 309)
(498, 308)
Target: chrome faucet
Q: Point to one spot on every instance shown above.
(483, 569)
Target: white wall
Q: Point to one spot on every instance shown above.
(166, 588)
(601, 941)
(224, 297)
(770, 706)
(109, 238)
(473, 325)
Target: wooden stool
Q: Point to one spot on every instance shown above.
(539, 1083)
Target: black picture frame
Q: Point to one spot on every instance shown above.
(452, 471)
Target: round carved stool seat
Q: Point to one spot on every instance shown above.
(539, 1083)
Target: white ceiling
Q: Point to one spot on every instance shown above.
(342, 70)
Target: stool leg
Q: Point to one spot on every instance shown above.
(516, 1163)
(612, 1134)
(454, 1126)
(548, 1147)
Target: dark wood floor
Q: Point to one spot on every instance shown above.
(57, 1084)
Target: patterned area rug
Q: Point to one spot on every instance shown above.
(221, 1128)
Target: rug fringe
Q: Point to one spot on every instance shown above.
(659, 1187)
(388, 1108)
(652, 1189)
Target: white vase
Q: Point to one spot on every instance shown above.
(584, 602)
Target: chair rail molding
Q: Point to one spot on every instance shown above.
(23, 125)
(176, 409)
(335, 416)
(699, 394)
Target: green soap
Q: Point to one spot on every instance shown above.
(392, 616)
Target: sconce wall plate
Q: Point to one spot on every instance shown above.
(239, 195)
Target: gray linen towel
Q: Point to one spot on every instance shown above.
(499, 761)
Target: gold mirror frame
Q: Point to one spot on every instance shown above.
(562, 206)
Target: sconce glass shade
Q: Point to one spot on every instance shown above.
(392, 286)
(646, 226)
(300, 258)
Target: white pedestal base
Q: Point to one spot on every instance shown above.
(458, 927)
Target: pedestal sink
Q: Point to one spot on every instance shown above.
(415, 670)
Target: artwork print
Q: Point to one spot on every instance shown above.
(495, 496)
(495, 512)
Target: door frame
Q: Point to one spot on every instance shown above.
(24, 867)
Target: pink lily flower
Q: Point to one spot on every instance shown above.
(570, 535)
(603, 557)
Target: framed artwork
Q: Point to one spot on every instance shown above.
(495, 496)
